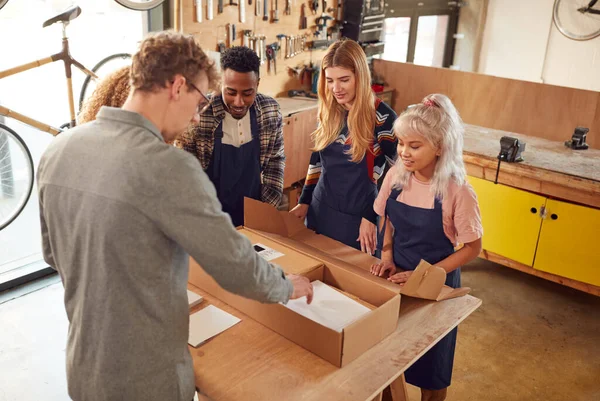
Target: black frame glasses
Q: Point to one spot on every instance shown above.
(201, 108)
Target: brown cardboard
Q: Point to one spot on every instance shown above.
(335, 347)
(295, 262)
(307, 241)
(427, 282)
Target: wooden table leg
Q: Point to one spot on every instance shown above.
(398, 389)
(378, 397)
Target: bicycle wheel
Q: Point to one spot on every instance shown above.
(3, 3)
(576, 24)
(16, 175)
(102, 69)
(140, 5)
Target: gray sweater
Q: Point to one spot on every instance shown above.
(120, 211)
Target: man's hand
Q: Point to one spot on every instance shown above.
(300, 211)
(383, 268)
(367, 236)
(302, 287)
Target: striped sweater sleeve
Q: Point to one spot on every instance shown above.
(312, 177)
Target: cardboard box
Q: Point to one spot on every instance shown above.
(335, 347)
(426, 282)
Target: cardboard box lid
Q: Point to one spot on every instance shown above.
(290, 260)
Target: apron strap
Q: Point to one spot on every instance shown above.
(218, 139)
(381, 233)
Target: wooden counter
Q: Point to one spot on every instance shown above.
(549, 167)
(251, 362)
(292, 105)
(543, 216)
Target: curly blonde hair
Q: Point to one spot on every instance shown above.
(111, 91)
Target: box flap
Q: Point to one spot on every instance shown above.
(264, 217)
(427, 282)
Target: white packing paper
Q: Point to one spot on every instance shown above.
(209, 322)
(329, 307)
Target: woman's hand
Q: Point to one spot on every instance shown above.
(300, 211)
(400, 278)
(382, 268)
(367, 236)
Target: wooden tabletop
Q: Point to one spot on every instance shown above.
(540, 153)
(549, 167)
(291, 105)
(251, 362)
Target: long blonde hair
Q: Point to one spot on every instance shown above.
(438, 121)
(361, 118)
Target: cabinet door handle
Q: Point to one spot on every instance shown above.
(554, 216)
(533, 210)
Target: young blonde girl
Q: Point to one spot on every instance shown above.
(429, 208)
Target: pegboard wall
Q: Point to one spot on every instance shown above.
(210, 32)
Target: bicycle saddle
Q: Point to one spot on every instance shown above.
(68, 15)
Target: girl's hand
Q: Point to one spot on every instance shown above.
(300, 211)
(367, 236)
(400, 278)
(383, 268)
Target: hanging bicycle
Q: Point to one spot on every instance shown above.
(140, 5)
(577, 19)
(16, 163)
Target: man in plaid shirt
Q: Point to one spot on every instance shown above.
(239, 139)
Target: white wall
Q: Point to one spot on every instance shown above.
(521, 42)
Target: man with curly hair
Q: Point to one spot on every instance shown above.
(120, 211)
(239, 138)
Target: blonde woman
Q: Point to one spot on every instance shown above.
(111, 91)
(353, 142)
(429, 208)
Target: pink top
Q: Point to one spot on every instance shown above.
(460, 210)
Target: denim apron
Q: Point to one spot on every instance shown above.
(235, 172)
(419, 234)
(342, 193)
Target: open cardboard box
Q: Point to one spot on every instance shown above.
(338, 348)
(427, 281)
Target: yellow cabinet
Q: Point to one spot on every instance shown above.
(569, 244)
(510, 218)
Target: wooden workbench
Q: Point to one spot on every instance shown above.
(549, 167)
(251, 362)
(552, 171)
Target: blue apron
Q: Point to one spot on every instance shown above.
(342, 193)
(419, 234)
(235, 172)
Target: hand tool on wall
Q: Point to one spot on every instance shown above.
(257, 8)
(246, 38)
(276, 12)
(339, 11)
(303, 20)
(321, 23)
(263, 49)
(324, 6)
(198, 4)
(220, 7)
(314, 6)
(209, 10)
(221, 46)
(271, 59)
(280, 38)
(288, 7)
(266, 10)
(242, 11)
(232, 34)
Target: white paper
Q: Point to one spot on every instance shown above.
(193, 298)
(209, 322)
(267, 253)
(329, 307)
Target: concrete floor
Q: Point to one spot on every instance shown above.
(530, 340)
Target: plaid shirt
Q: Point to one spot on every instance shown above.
(200, 141)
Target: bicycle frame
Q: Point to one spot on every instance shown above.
(68, 61)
